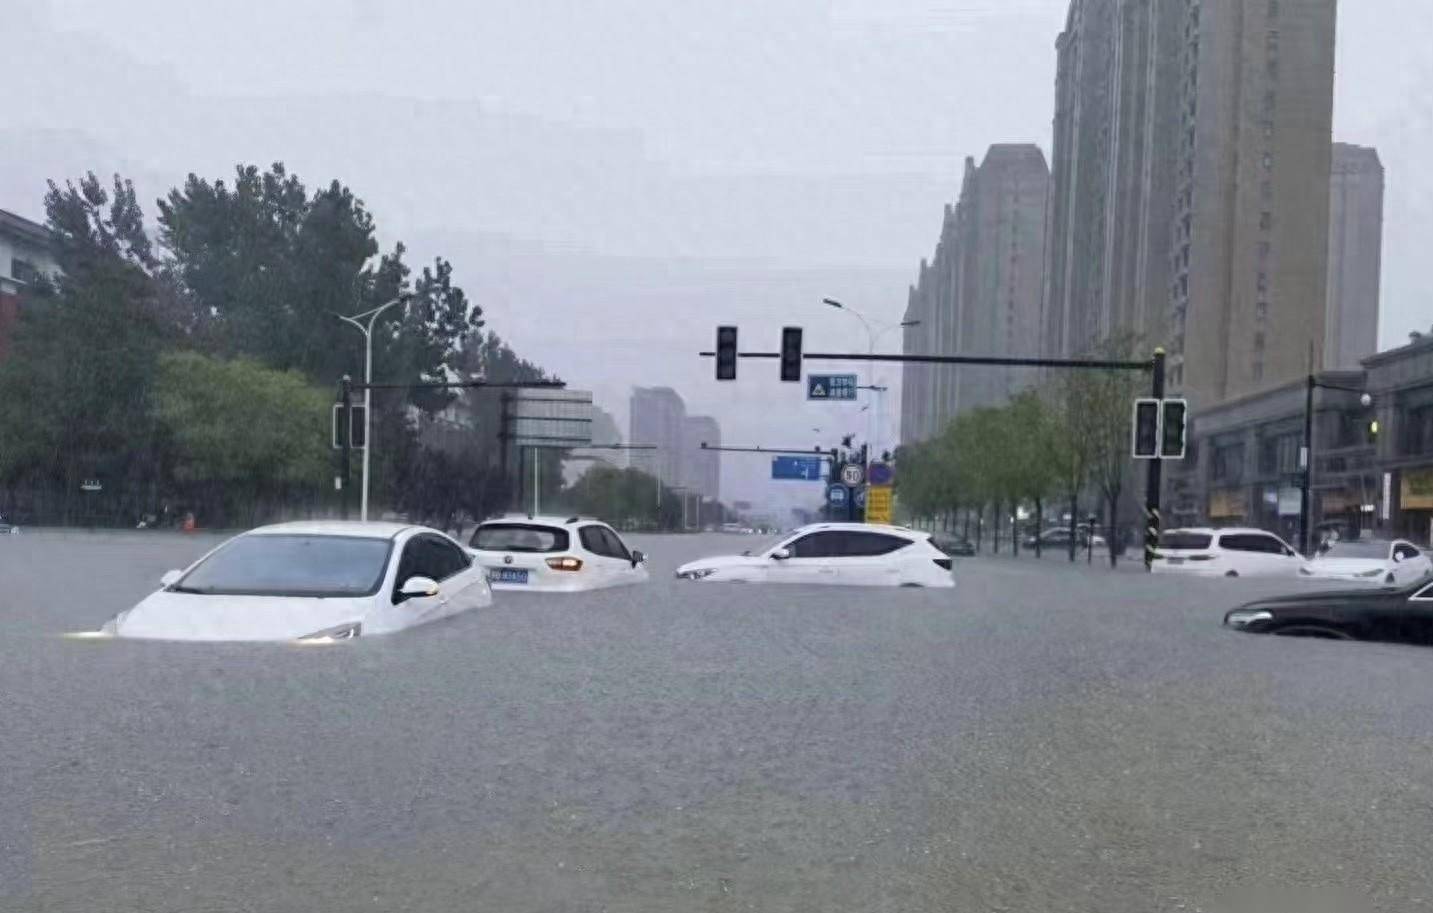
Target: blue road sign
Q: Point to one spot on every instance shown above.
(797, 468)
(831, 386)
(861, 497)
(836, 494)
(880, 474)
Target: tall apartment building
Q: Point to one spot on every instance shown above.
(980, 294)
(1355, 259)
(658, 418)
(1190, 164)
(703, 467)
(1113, 169)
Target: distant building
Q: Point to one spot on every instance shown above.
(26, 253)
(703, 467)
(605, 431)
(1355, 256)
(658, 418)
(980, 294)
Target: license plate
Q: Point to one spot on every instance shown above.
(1175, 560)
(507, 575)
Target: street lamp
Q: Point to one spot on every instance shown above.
(873, 336)
(358, 320)
(1305, 495)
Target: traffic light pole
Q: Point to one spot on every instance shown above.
(1155, 481)
(346, 398)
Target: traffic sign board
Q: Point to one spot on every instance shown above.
(881, 473)
(797, 468)
(878, 504)
(831, 387)
(836, 494)
(860, 497)
(852, 474)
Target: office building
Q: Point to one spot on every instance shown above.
(702, 474)
(26, 253)
(980, 294)
(1355, 260)
(659, 418)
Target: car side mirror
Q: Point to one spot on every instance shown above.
(418, 587)
(1397, 556)
(637, 557)
(170, 578)
(781, 554)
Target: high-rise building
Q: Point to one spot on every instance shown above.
(1355, 256)
(702, 474)
(1116, 130)
(658, 418)
(1190, 161)
(1250, 249)
(980, 294)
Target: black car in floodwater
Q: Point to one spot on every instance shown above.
(1401, 614)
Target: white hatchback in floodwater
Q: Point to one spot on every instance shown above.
(841, 554)
(555, 554)
(311, 582)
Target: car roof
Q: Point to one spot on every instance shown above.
(1223, 530)
(542, 520)
(355, 528)
(859, 527)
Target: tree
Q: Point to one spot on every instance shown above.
(1107, 403)
(1070, 454)
(1033, 459)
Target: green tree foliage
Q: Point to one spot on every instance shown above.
(624, 496)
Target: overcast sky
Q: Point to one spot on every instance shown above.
(612, 178)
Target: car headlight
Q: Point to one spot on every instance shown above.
(1243, 618)
(700, 573)
(334, 634)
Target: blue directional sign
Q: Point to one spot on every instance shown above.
(831, 386)
(880, 473)
(797, 468)
(836, 494)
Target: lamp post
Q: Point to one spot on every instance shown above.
(1306, 456)
(873, 336)
(364, 322)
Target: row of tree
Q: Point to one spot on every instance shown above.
(191, 365)
(1053, 445)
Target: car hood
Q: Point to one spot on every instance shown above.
(721, 561)
(1300, 602)
(1344, 567)
(166, 615)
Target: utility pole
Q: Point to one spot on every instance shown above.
(1152, 519)
(346, 398)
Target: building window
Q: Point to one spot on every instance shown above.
(1273, 10)
(1259, 341)
(1278, 455)
(1266, 220)
(1264, 248)
(1228, 463)
(1418, 431)
(23, 270)
(1261, 311)
(1262, 283)
(1268, 161)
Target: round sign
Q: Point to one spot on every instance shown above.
(836, 494)
(881, 473)
(860, 497)
(852, 474)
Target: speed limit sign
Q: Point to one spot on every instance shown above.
(852, 474)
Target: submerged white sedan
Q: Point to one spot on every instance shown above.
(1376, 561)
(841, 554)
(313, 583)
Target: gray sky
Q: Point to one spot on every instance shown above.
(612, 178)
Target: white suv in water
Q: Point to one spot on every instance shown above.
(1225, 553)
(843, 554)
(555, 554)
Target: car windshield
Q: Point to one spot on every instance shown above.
(1182, 540)
(1369, 549)
(292, 565)
(519, 537)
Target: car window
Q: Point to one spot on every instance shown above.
(591, 537)
(519, 537)
(1252, 542)
(1405, 551)
(615, 548)
(863, 545)
(1179, 539)
(292, 566)
(445, 558)
(830, 544)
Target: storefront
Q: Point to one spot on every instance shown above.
(1228, 506)
(1415, 504)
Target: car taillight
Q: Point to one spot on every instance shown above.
(565, 563)
(945, 563)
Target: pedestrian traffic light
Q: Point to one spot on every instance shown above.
(1173, 437)
(1146, 429)
(791, 354)
(726, 353)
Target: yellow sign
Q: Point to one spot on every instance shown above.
(878, 504)
(1227, 503)
(1417, 493)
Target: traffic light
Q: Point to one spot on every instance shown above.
(1146, 429)
(1373, 432)
(791, 354)
(1173, 439)
(726, 353)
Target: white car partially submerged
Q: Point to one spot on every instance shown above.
(313, 583)
(841, 554)
(1381, 562)
(1204, 552)
(555, 554)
